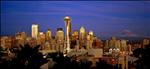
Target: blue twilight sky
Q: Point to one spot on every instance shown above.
(105, 18)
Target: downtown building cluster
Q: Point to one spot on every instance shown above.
(78, 39)
(73, 42)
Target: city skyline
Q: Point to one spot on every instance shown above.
(104, 18)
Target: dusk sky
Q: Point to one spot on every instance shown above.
(104, 18)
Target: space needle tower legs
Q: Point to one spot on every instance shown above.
(67, 21)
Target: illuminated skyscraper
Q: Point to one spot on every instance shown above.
(82, 37)
(123, 45)
(82, 33)
(48, 35)
(89, 40)
(91, 33)
(112, 42)
(59, 34)
(34, 30)
(41, 39)
(41, 36)
(117, 44)
(74, 39)
(67, 21)
(59, 40)
(106, 47)
(75, 35)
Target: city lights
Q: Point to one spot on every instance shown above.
(82, 45)
(74, 35)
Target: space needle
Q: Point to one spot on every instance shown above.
(67, 21)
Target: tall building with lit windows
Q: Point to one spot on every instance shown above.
(75, 35)
(74, 39)
(82, 33)
(112, 42)
(48, 35)
(89, 40)
(123, 45)
(34, 29)
(59, 40)
(41, 36)
(59, 34)
(82, 37)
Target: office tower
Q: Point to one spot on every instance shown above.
(91, 33)
(74, 39)
(3, 42)
(112, 42)
(20, 39)
(34, 31)
(67, 21)
(21, 35)
(130, 49)
(53, 44)
(82, 33)
(98, 43)
(106, 47)
(32, 42)
(7, 42)
(48, 35)
(117, 44)
(145, 42)
(89, 40)
(42, 39)
(59, 34)
(123, 45)
(59, 40)
(47, 45)
(75, 35)
(82, 37)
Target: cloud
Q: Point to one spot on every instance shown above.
(128, 33)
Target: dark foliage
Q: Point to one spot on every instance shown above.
(144, 57)
(26, 58)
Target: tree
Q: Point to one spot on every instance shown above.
(143, 55)
(28, 58)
